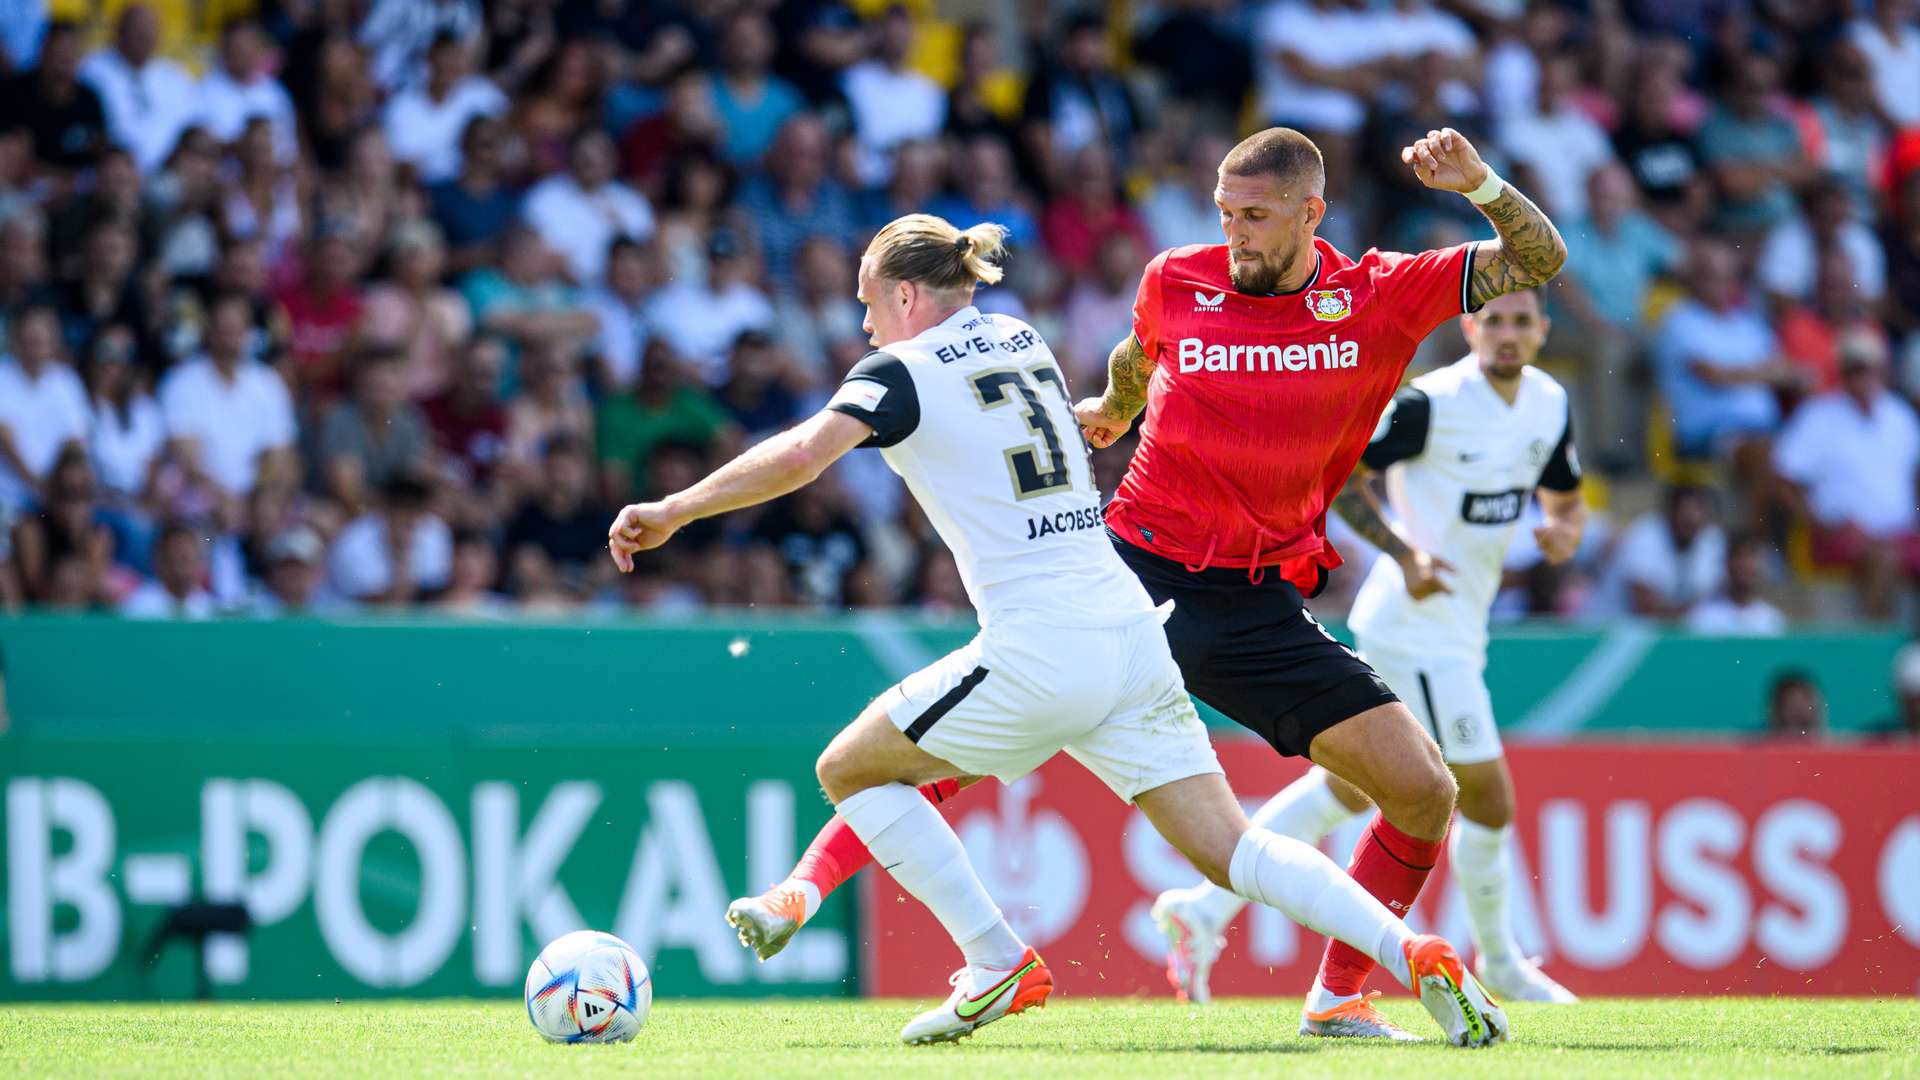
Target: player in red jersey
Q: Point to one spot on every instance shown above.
(1263, 365)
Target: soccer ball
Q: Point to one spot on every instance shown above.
(588, 987)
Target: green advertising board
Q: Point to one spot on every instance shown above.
(413, 808)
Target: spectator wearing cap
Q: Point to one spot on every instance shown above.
(1717, 361)
(230, 419)
(129, 433)
(1739, 610)
(580, 212)
(390, 556)
(294, 578)
(620, 305)
(524, 299)
(149, 99)
(242, 87)
(426, 122)
(1667, 561)
(177, 589)
(1890, 40)
(665, 405)
(373, 438)
(475, 209)
(702, 321)
(796, 197)
(63, 114)
(891, 104)
(752, 103)
(43, 407)
(563, 516)
(1849, 459)
(413, 312)
(400, 32)
(1790, 260)
(1796, 710)
(985, 190)
(1752, 151)
(1905, 722)
(468, 424)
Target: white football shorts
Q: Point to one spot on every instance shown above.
(1018, 694)
(1449, 698)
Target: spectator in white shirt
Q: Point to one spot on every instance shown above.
(229, 417)
(1891, 43)
(129, 435)
(579, 212)
(43, 407)
(395, 554)
(1740, 611)
(425, 123)
(1849, 458)
(1179, 209)
(242, 87)
(149, 100)
(700, 321)
(1790, 260)
(177, 590)
(1559, 144)
(1666, 562)
(891, 103)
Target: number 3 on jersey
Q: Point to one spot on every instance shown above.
(1023, 462)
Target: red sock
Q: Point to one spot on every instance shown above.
(836, 854)
(1392, 866)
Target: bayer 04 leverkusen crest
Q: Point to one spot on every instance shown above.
(1330, 305)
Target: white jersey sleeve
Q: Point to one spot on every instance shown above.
(975, 416)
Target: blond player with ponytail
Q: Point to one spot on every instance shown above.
(972, 411)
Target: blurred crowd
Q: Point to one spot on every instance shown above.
(342, 304)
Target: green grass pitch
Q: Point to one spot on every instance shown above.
(1752, 1039)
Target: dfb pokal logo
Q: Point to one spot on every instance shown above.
(1031, 861)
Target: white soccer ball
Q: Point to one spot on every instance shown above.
(588, 987)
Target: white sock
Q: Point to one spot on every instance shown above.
(910, 839)
(1305, 810)
(1482, 864)
(1304, 885)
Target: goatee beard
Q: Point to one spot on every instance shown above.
(1258, 278)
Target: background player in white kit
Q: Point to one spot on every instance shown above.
(972, 412)
(1464, 449)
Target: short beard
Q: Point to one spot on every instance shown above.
(1259, 279)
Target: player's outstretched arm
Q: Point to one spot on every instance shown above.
(1129, 369)
(1359, 507)
(784, 463)
(1528, 251)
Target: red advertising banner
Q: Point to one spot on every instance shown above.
(1643, 869)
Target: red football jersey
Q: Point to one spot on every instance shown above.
(1260, 405)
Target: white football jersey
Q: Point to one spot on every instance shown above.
(1461, 466)
(975, 416)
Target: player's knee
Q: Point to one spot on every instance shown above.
(834, 770)
(1425, 799)
(1486, 799)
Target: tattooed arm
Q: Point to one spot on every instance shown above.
(1104, 419)
(1528, 251)
(1359, 507)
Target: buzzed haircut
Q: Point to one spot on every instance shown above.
(1282, 153)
